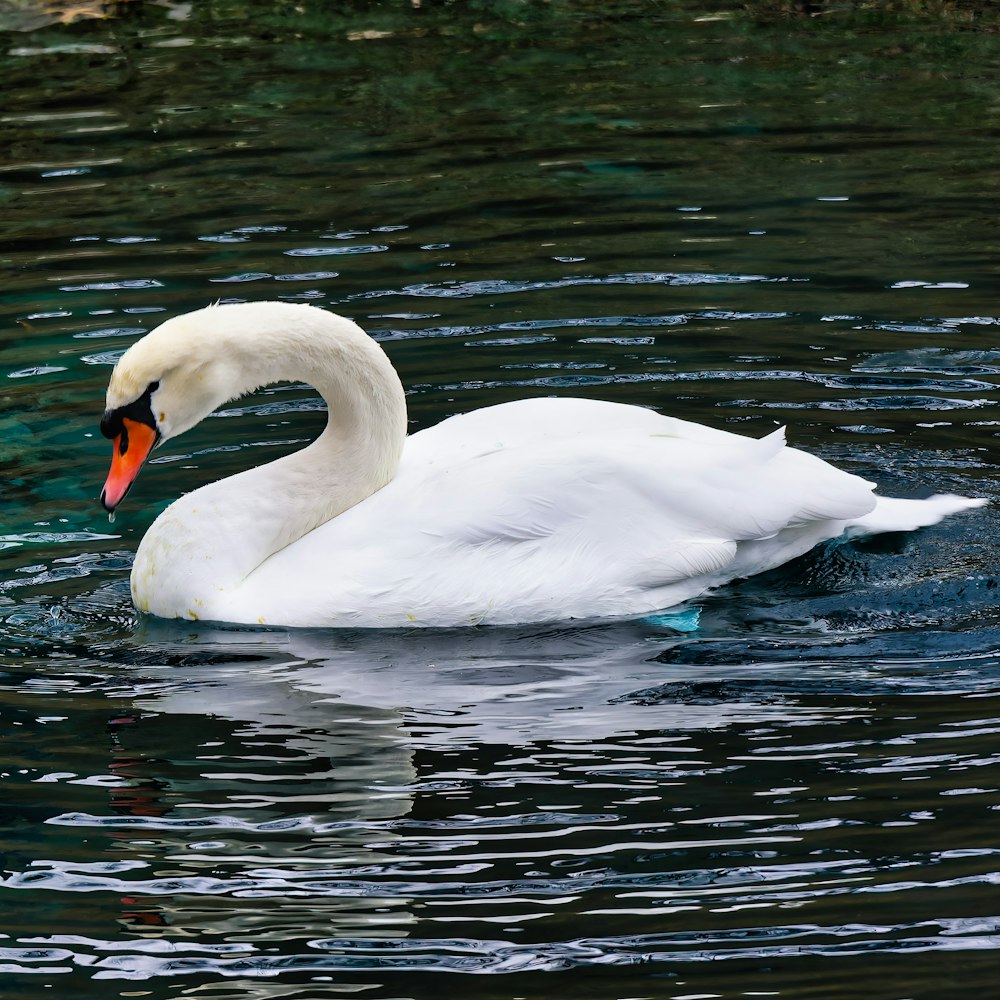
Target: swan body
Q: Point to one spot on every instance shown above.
(531, 511)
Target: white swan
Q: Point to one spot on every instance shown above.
(530, 511)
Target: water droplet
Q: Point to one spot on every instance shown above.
(111, 517)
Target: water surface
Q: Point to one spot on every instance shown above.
(743, 220)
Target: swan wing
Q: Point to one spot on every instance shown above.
(498, 518)
(529, 422)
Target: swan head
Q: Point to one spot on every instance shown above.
(166, 383)
(178, 373)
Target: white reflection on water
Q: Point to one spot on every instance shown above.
(436, 688)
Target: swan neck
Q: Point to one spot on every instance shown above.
(359, 450)
(235, 524)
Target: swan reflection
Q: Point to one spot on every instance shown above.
(440, 688)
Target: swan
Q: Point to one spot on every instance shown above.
(531, 511)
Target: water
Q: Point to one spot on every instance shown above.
(745, 220)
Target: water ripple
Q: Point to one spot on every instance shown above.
(500, 286)
(500, 956)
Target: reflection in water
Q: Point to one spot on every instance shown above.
(327, 794)
(261, 793)
(442, 688)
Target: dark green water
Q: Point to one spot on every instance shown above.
(745, 221)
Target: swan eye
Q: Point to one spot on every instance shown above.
(141, 410)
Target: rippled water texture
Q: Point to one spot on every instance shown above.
(746, 219)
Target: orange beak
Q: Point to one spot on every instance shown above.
(132, 447)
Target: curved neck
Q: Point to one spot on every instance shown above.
(359, 450)
(222, 532)
(366, 406)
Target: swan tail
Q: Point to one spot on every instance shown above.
(895, 514)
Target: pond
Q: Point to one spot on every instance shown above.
(746, 217)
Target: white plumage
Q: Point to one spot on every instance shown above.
(538, 510)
